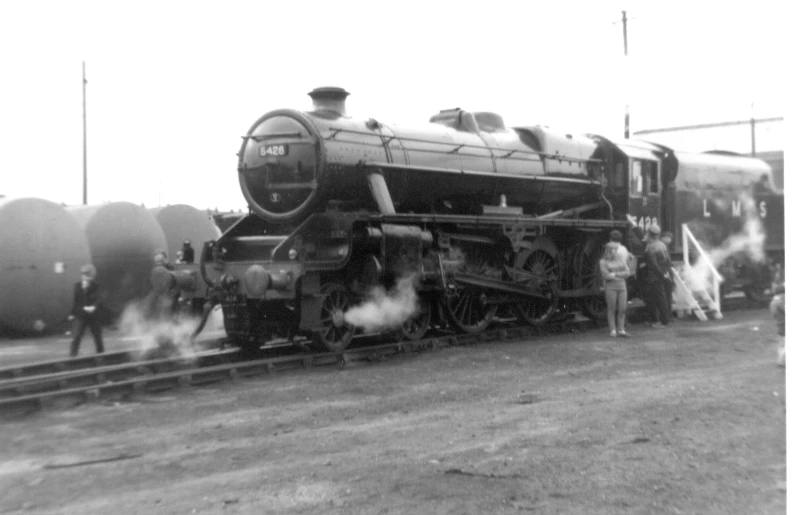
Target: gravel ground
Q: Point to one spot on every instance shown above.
(689, 419)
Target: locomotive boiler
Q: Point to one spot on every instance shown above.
(478, 218)
(292, 164)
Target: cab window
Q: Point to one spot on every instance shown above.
(637, 184)
(644, 177)
(619, 175)
(650, 173)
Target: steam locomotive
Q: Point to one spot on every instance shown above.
(478, 217)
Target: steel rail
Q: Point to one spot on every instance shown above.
(193, 376)
(60, 365)
(78, 363)
(11, 386)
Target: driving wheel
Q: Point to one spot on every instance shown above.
(589, 277)
(544, 270)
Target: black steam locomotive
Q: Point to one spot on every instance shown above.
(479, 218)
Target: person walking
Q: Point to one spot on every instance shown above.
(164, 305)
(614, 269)
(658, 267)
(86, 310)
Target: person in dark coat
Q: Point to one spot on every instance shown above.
(86, 310)
(666, 238)
(166, 304)
(188, 253)
(777, 307)
(657, 273)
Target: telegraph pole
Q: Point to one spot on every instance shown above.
(625, 44)
(85, 145)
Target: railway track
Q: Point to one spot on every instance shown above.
(34, 386)
(27, 391)
(103, 373)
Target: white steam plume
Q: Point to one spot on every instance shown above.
(158, 337)
(384, 310)
(749, 242)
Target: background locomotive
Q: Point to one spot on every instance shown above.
(473, 215)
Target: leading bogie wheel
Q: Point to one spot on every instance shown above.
(336, 334)
(416, 327)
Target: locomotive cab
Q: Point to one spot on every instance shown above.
(644, 167)
(639, 179)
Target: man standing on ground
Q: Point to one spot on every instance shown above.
(658, 270)
(165, 304)
(188, 253)
(778, 311)
(666, 238)
(86, 310)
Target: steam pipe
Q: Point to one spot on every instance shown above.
(208, 307)
(202, 263)
(380, 192)
(611, 208)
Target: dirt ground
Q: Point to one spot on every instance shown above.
(689, 419)
(16, 351)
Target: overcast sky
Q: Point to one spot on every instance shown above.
(173, 85)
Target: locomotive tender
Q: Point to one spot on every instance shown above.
(477, 216)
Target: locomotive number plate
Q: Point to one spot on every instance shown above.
(274, 150)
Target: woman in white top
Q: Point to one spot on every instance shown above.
(614, 269)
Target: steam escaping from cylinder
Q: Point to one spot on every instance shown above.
(749, 242)
(386, 309)
(158, 337)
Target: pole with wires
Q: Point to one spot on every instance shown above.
(85, 145)
(625, 45)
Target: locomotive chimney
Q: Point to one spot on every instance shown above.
(330, 99)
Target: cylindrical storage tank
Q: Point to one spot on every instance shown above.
(182, 222)
(41, 251)
(123, 238)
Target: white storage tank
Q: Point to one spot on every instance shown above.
(123, 238)
(181, 222)
(41, 251)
